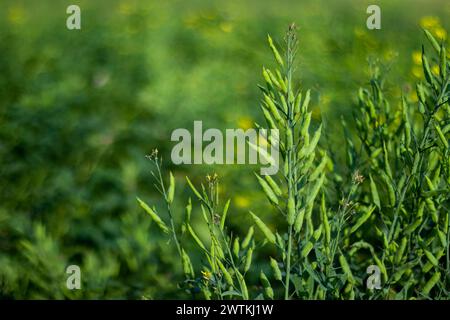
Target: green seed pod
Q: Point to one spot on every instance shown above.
(248, 237)
(441, 136)
(171, 189)
(442, 237)
(291, 210)
(187, 216)
(264, 229)
(236, 247)
(362, 219)
(154, 216)
(346, 268)
(306, 101)
(248, 259)
(268, 291)
(195, 237)
(317, 233)
(282, 82)
(431, 283)
(390, 189)
(307, 249)
(267, 77)
(273, 110)
(226, 274)
(224, 214)
(431, 258)
(299, 220)
(305, 126)
(275, 51)
(426, 69)
(325, 222)
(401, 250)
(276, 270)
(187, 265)
(267, 190)
(297, 104)
(289, 139)
(242, 285)
(443, 62)
(273, 185)
(420, 93)
(319, 169)
(268, 118)
(315, 190)
(283, 103)
(374, 192)
(432, 40)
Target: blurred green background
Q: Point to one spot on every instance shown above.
(79, 110)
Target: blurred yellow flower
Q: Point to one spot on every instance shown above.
(435, 70)
(429, 22)
(206, 275)
(413, 96)
(417, 71)
(417, 57)
(16, 14)
(125, 8)
(440, 33)
(226, 27)
(245, 123)
(242, 201)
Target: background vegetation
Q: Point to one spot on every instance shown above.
(79, 110)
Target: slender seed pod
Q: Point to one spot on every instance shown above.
(268, 291)
(273, 185)
(226, 274)
(224, 214)
(362, 219)
(306, 101)
(187, 265)
(171, 189)
(289, 139)
(374, 192)
(236, 247)
(275, 51)
(266, 77)
(154, 216)
(432, 40)
(401, 250)
(299, 220)
(248, 259)
(264, 229)
(276, 270)
(248, 237)
(242, 285)
(431, 258)
(267, 190)
(443, 62)
(441, 136)
(431, 283)
(346, 268)
(291, 210)
(307, 249)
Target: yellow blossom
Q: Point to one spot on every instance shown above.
(242, 201)
(429, 22)
(16, 14)
(226, 27)
(245, 123)
(417, 57)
